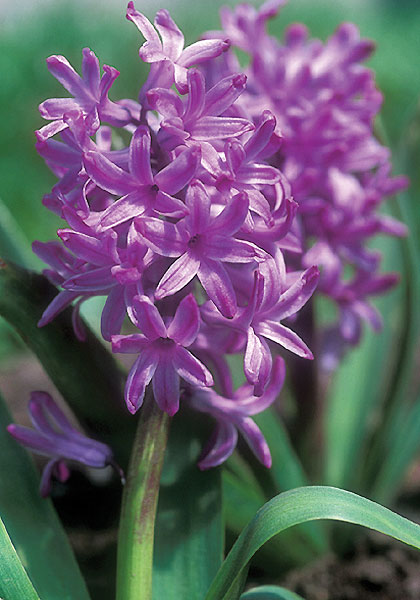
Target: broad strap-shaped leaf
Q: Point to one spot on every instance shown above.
(270, 592)
(33, 527)
(189, 535)
(85, 373)
(300, 506)
(14, 581)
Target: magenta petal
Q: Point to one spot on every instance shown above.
(162, 237)
(166, 102)
(143, 25)
(179, 172)
(298, 294)
(107, 175)
(90, 70)
(56, 306)
(172, 36)
(129, 344)
(198, 203)
(227, 249)
(166, 387)
(220, 446)
(222, 95)
(255, 174)
(285, 337)
(128, 207)
(253, 356)
(55, 108)
(96, 251)
(219, 128)
(90, 281)
(218, 286)
(177, 276)
(235, 155)
(196, 95)
(169, 205)
(232, 216)
(113, 313)
(62, 70)
(261, 137)
(139, 157)
(140, 375)
(190, 368)
(148, 318)
(186, 322)
(201, 51)
(255, 440)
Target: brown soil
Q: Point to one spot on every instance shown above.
(378, 569)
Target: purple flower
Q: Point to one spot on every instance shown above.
(202, 243)
(259, 320)
(142, 192)
(167, 53)
(233, 415)
(163, 354)
(55, 437)
(199, 120)
(90, 95)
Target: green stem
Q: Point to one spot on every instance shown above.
(136, 532)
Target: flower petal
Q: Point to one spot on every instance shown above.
(147, 318)
(177, 276)
(140, 375)
(162, 237)
(180, 171)
(166, 387)
(190, 368)
(219, 128)
(107, 175)
(218, 286)
(186, 322)
(285, 337)
(219, 447)
(139, 156)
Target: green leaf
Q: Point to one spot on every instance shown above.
(270, 592)
(189, 534)
(300, 506)
(33, 526)
(356, 391)
(14, 582)
(85, 373)
(14, 245)
(287, 471)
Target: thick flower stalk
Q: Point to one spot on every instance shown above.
(191, 230)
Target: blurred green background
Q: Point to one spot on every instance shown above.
(41, 28)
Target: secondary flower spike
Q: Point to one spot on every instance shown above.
(55, 437)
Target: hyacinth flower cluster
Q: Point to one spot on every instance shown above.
(325, 102)
(191, 230)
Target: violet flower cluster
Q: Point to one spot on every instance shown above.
(190, 230)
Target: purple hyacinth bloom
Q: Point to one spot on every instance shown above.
(198, 121)
(167, 53)
(233, 415)
(141, 191)
(90, 95)
(202, 243)
(55, 437)
(163, 353)
(268, 304)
